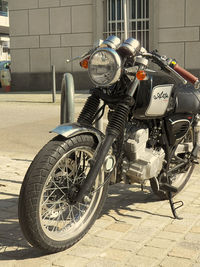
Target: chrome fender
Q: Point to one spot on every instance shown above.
(69, 130)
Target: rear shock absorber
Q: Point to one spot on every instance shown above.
(89, 110)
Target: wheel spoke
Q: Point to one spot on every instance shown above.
(52, 207)
(58, 217)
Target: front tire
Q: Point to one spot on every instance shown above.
(48, 217)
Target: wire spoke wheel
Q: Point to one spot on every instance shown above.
(59, 218)
(178, 176)
(49, 216)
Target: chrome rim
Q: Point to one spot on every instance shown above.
(59, 219)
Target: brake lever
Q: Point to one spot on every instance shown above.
(96, 45)
(78, 57)
(163, 63)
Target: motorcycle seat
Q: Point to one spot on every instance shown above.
(187, 99)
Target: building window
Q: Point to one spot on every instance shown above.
(3, 8)
(137, 17)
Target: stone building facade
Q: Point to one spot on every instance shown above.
(4, 31)
(47, 32)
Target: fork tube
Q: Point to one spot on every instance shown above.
(114, 128)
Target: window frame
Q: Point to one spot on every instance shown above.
(152, 20)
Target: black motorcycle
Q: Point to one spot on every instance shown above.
(153, 133)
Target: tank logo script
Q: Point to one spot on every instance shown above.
(161, 96)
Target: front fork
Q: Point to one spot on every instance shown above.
(114, 128)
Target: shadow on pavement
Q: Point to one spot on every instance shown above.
(13, 245)
(121, 197)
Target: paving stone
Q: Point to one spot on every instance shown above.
(160, 243)
(184, 251)
(109, 234)
(193, 237)
(174, 262)
(119, 227)
(102, 223)
(96, 241)
(152, 252)
(7, 262)
(85, 251)
(126, 245)
(139, 237)
(116, 254)
(33, 263)
(141, 261)
(176, 228)
(103, 262)
(70, 261)
(195, 229)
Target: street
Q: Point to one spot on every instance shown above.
(25, 123)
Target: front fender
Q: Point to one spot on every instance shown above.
(69, 130)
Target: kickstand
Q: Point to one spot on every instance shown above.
(173, 208)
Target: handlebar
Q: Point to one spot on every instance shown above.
(185, 74)
(174, 68)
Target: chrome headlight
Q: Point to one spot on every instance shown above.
(104, 66)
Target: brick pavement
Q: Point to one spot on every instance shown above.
(134, 229)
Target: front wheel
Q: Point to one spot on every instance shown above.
(49, 218)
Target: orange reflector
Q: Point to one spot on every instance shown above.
(84, 63)
(141, 75)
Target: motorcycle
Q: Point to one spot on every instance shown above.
(153, 134)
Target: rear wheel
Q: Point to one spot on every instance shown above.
(180, 177)
(49, 218)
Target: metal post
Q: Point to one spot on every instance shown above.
(67, 99)
(125, 21)
(54, 84)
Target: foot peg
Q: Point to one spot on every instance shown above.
(168, 187)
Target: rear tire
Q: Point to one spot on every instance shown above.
(178, 183)
(179, 180)
(48, 219)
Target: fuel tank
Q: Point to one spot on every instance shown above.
(155, 96)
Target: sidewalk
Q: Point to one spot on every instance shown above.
(134, 229)
(39, 97)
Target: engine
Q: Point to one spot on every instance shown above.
(140, 163)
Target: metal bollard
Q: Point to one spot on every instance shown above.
(67, 99)
(54, 84)
(99, 123)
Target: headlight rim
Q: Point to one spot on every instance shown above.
(118, 68)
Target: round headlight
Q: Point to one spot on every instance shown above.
(104, 67)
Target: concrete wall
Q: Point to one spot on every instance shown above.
(178, 31)
(47, 32)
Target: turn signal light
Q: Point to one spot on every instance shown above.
(84, 63)
(141, 75)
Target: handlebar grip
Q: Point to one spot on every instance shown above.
(185, 74)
